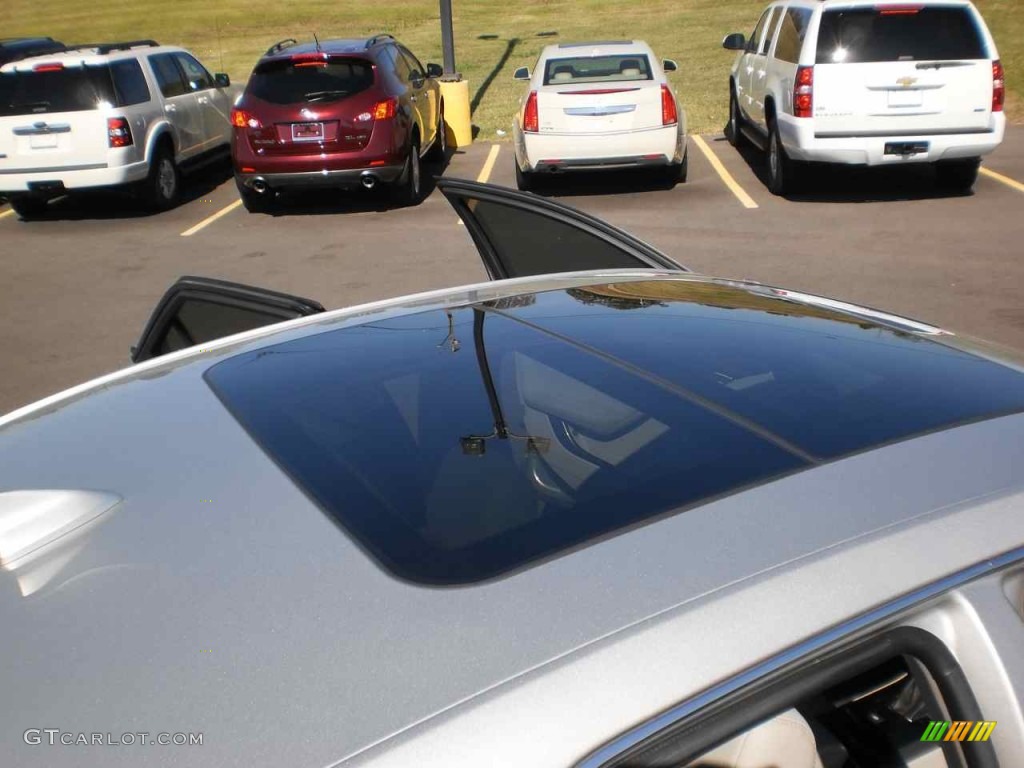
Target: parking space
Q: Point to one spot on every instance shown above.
(79, 284)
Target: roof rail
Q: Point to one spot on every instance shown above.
(280, 45)
(104, 48)
(378, 38)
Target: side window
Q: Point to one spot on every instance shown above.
(402, 68)
(129, 83)
(900, 698)
(195, 73)
(755, 36)
(773, 32)
(414, 64)
(168, 76)
(766, 41)
(791, 35)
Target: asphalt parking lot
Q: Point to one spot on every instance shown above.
(79, 285)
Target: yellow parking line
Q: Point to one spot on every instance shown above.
(1003, 179)
(5, 214)
(492, 157)
(727, 179)
(210, 219)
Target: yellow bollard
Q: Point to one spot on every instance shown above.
(458, 121)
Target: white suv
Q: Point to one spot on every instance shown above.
(864, 82)
(108, 115)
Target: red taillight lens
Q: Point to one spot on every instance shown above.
(55, 67)
(998, 86)
(242, 119)
(384, 110)
(309, 60)
(119, 133)
(669, 116)
(803, 92)
(531, 118)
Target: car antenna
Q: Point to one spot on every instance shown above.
(317, 42)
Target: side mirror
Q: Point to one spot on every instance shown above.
(434, 70)
(669, 65)
(523, 73)
(196, 310)
(221, 80)
(734, 42)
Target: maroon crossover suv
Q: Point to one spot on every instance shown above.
(337, 113)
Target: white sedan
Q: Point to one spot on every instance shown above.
(594, 106)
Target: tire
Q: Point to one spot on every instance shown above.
(734, 129)
(163, 185)
(253, 201)
(439, 149)
(28, 206)
(408, 190)
(782, 172)
(525, 181)
(958, 175)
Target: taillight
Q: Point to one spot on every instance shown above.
(384, 110)
(668, 107)
(53, 67)
(119, 133)
(309, 60)
(531, 118)
(803, 92)
(998, 86)
(242, 119)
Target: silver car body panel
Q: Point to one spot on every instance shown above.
(217, 598)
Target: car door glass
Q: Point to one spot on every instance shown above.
(766, 39)
(416, 69)
(771, 31)
(195, 73)
(168, 75)
(519, 234)
(755, 36)
(402, 68)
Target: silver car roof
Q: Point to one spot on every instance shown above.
(204, 591)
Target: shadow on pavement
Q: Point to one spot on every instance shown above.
(590, 183)
(821, 183)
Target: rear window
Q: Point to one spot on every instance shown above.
(72, 89)
(296, 81)
(899, 34)
(458, 446)
(597, 69)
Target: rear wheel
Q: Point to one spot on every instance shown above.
(525, 180)
(163, 185)
(407, 189)
(439, 150)
(734, 129)
(28, 206)
(958, 175)
(782, 172)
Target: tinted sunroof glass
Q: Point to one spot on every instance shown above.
(457, 446)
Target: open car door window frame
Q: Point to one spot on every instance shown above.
(461, 194)
(279, 307)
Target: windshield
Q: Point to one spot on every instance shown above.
(296, 81)
(597, 69)
(70, 89)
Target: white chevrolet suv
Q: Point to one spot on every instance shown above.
(134, 113)
(863, 82)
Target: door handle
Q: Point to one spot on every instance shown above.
(171, 108)
(203, 100)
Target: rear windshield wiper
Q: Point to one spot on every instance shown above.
(319, 95)
(941, 64)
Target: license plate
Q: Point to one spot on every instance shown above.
(906, 148)
(307, 131)
(43, 141)
(905, 98)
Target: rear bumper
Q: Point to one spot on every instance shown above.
(348, 177)
(654, 147)
(72, 177)
(801, 144)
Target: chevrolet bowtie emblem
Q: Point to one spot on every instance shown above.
(906, 82)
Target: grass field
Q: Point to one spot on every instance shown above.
(492, 37)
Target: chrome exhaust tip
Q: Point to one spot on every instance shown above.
(260, 186)
(368, 180)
